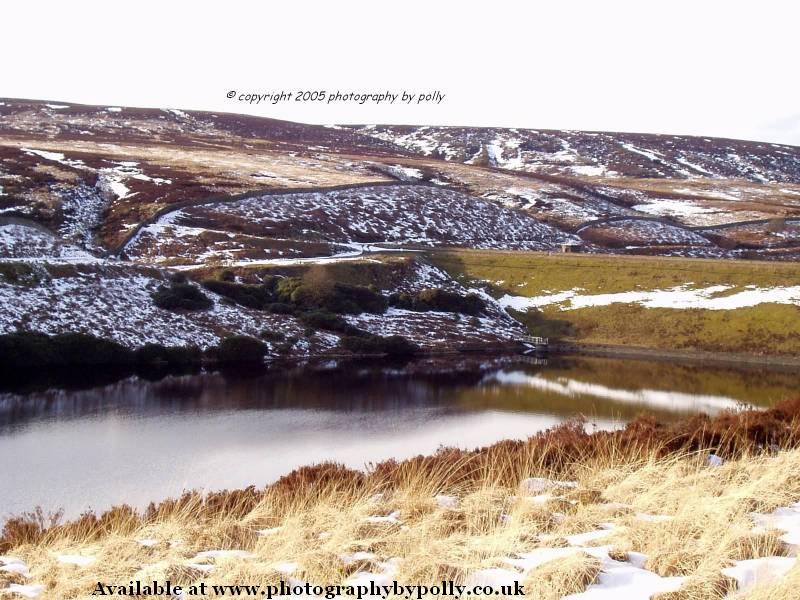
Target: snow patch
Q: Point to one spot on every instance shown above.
(679, 297)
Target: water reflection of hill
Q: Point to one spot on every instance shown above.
(623, 388)
(589, 386)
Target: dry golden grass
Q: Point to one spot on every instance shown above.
(689, 518)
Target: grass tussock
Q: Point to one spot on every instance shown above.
(456, 513)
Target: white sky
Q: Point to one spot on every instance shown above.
(727, 68)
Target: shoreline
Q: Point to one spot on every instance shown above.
(445, 360)
(776, 362)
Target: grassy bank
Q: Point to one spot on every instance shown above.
(766, 328)
(645, 496)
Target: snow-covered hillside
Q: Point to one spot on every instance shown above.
(400, 214)
(595, 154)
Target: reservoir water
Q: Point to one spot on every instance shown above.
(89, 444)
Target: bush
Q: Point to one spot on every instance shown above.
(251, 296)
(181, 296)
(27, 350)
(320, 319)
(156, 354)
(19, 273)
(340, 298)
(280, 308)
(394, 345)
(435, 299)
(240, 349)
(178, 277)
(285, 287)
(288, 294)
(272, 336)
(83, 349)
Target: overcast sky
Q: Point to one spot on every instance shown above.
(726, 68)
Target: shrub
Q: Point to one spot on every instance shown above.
(280, 308)
(19, 273)
(394, 345)
(285, 287)
(439, 300)
(272, 336)
(288, 294)
(178, 277)
(366, 298)
(320, 319)
(156, 354)
(240, 349)
(181, 296)
(84, 349)
(339, 298)
(27, 350)
(251, 296)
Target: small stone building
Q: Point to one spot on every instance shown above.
(571, 247)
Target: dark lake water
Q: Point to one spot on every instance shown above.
(134, 440)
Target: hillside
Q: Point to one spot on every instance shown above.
(100, 205)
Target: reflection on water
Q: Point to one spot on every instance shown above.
(135, 440)
(641, 398)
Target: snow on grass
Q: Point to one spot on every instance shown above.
(445, 501)
(673, 208)
(539, 557)
(25, 590)
(437, 329)
(117, 304)
(649, 154)
(621, 580)
(390, 214)
(27, 243)
(523, 303)
(362, 219)
(112, 180)
(679, 297)
(694, 166)
(617, 579)
(419, 139)
(645, 233)
(400, 172)
(786, 519)
(83, 208)
(78, 560)
(11, 564)
(178, 113)
(759, 571)
(217, 554)
(496, 149)
(391, 518)
(55, 156)
(590, 170)
(582, 539)
(537, 485)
